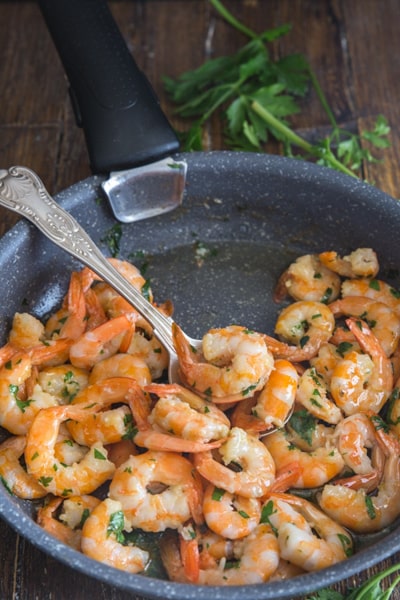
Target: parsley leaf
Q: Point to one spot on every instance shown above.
(255, 96)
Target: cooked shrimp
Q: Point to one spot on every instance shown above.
(308, 279)
(26, 331)
(181, 412)
(217, 561)
(276, 399)
(327, 358)
(12, 473)
(51, 353)
(97, 344)
(63, 382)
(362, 262)
(74, 324)
(76, 509)
(355, 437)
(17, 411)
(125, 268)
(247, 467)
(234, 363)
(376, 289)
(109, 424)
(295, 520)
(73, 512)
(255, 559)
(121, 365)
(355, 508)
(303, 326)
(46, 519)
(158, 490)
(57, 478)
(317, 467)
(147, 346)
(152, 437)
(306, 432)
(230, 515)
(312, 393)
(101, 539)
(362, 382)
(383, 321)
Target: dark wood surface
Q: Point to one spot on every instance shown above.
(354, 48)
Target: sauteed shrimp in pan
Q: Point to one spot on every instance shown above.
(278, 451)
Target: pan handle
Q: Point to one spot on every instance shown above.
(113, 101)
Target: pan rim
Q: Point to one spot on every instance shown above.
(289, 169)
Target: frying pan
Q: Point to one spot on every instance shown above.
(244, 218)
(255, 213)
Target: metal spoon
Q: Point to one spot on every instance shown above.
(23, 192)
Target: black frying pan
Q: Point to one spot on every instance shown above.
(254, 214)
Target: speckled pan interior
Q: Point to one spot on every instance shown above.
(244, 218)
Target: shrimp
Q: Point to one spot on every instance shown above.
(355, 435)
(355, 508)
(393, 409)
(376, 289)
(157, 490)
(306, 432)
(12, 473)
(362, 262)
(46, 519)
(125, 268)
(230, 515)
(74, 325)
(255, 559)
(312, 393)
(216, 561)
(105, 426)
(121, 365)
(247, 467)
(308, 279)
(183, 413)
(327, 358)
(67, 527)
(101, 539)
(234, 363)
(316, 467)
(295, 520)
(383, 321)
(57, 478)
(97, 344)
(276, 399)
(362, 382)
(26, 331)
(17, 411)
(63, 382)
(147, 346)
(306, 326)
(152, 437)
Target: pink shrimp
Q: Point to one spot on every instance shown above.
(362, 381)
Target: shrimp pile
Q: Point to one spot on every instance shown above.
(268, 460)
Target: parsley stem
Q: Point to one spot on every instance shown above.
(288, 133)
(322, 98)
(224, 12)
(295, 139)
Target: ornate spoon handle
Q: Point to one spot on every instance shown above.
(22, 191)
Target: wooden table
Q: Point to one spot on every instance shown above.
(353, 47)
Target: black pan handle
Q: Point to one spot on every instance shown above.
(121, 117)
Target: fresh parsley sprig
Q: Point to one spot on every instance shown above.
(256, 95)
(370, 590)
